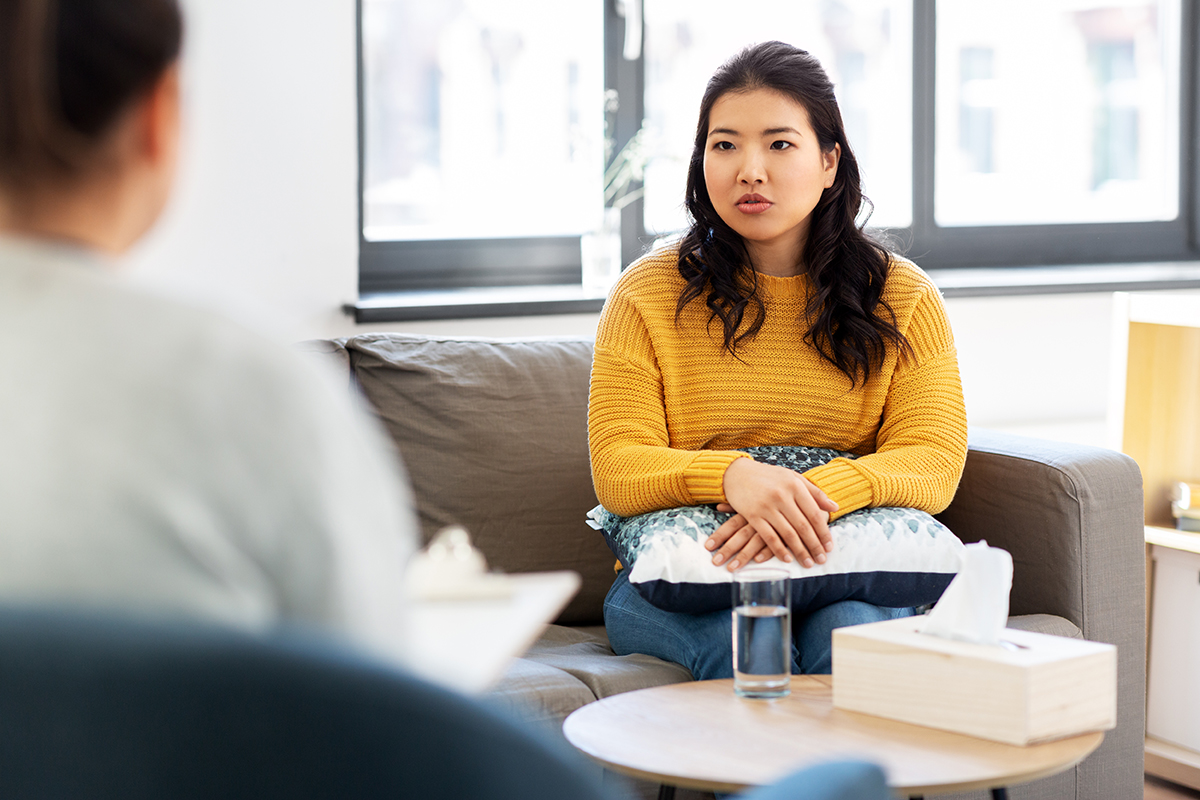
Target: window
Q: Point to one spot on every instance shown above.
(1101, 78)
(1051, 132)
(482, 140)
(523, 144)
(477, 114)
(866, 48)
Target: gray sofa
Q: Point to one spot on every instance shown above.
(493, 432)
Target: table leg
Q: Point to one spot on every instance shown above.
(666, 792)
(1000, 793)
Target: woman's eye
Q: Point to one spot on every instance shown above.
(723, 146)
(780, 145)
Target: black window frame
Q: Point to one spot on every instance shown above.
(432, 273)
(465, 264)
(936, 247)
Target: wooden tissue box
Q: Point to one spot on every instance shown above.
(1034, 688)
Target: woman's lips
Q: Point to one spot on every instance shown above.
(753, 204)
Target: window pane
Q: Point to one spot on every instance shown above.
(865, 46)
(482, 119)
(1057, 111)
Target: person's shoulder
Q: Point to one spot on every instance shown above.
(131, 326)
(136, 338)
(184, 335)
(653, 276)
(238, 371)
(644, 297)
(917, 306)
(907, 274)
(907, 283)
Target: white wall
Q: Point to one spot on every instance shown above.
(1036, 364)
(263, 224)
(263, 219)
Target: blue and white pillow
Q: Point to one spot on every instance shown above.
(896, 557)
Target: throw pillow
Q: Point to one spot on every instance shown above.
(896, 557)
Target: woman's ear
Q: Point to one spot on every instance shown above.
(145, 157)
(832, 157)
(160, 121)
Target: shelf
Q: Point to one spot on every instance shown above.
(1154, 408)
(1173, 763)
(1155, 395)
(1172, 538)
(1176, 310)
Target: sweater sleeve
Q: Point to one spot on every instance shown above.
(921, 446)
(634, 469)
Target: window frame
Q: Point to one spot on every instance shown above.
(430, 273)
(389, 267)
(935, 247)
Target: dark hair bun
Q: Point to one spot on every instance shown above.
(68, 68)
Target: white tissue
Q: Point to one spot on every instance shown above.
(974, 607)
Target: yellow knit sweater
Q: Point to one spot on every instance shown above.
(668, 403)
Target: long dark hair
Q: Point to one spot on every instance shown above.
(848, 323)
(68, 69)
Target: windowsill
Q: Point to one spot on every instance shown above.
(506, 301)
(999, 281)
(975, 282)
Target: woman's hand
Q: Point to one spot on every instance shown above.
(778, 510)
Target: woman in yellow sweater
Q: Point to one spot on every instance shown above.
(775, 321)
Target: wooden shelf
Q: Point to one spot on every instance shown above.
(1154, 416)
(1155, 395)
(1172, 763)
(1172, 538)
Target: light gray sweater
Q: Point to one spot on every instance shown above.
(156, 458)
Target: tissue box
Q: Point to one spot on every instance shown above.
(1032, 688)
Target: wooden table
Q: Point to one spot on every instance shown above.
(700, 735)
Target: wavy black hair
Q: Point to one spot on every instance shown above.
(68, 69)
(847, 321)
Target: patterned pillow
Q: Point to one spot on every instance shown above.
(895, 557)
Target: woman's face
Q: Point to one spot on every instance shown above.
(765, 171)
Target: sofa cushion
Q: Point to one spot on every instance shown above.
(538, 693)
(494, 435)
(1045, 623)
(586, 654)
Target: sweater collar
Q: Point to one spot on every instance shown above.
(794, 288)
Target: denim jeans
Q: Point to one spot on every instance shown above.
(704, 642)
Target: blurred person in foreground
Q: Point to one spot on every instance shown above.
(155, 458)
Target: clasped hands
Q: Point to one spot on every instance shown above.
(778, 513)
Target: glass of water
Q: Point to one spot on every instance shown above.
(762, 632)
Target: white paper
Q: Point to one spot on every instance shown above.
(467, 644)
(974, 607)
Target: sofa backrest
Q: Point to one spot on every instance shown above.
(494, 435)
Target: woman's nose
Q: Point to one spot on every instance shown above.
(751, 170)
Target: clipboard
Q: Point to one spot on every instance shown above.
(466, 643)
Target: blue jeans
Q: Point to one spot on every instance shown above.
(704, 642)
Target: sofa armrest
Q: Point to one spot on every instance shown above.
(1071, 516)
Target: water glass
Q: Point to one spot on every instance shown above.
(762, 632)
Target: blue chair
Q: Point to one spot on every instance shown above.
(102, 706)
